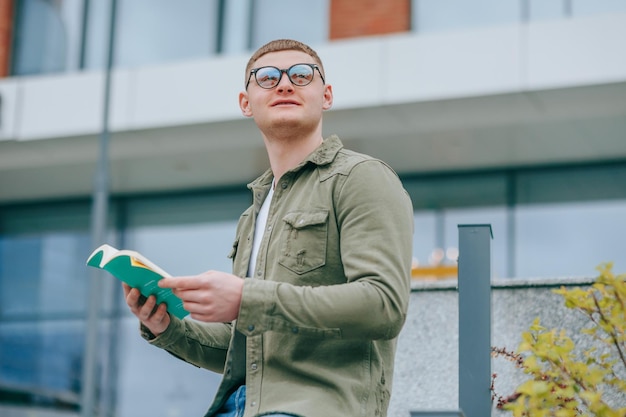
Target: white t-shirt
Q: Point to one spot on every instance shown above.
(259, 229)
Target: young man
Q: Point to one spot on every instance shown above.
(325, 250)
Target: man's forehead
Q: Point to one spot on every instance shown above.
(284, 58)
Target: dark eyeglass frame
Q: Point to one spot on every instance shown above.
(284, 71)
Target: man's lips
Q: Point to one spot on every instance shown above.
(285, 103)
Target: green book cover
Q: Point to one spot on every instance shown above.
(137, 271)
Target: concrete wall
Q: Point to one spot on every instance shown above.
(426, 375)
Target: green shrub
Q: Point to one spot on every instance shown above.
(562, 381)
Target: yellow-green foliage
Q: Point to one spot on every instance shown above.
(562, 384)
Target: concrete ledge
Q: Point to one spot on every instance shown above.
(426, 375)
(452, 283)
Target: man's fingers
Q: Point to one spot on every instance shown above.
(181, 283)
(132, 295)
(126, 288)
(135, 300)
(152, 315)
(148, 307)
(159, 313)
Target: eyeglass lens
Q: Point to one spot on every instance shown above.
(299, 74)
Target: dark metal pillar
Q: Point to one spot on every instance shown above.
(475, 319)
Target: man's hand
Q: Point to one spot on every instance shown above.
(155, 318)
(213, 296)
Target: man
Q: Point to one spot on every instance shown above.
(326, 248)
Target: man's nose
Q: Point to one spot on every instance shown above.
(284, 83)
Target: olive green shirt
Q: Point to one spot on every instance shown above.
(317, 327)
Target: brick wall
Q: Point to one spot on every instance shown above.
(6, 25)
(354, 18)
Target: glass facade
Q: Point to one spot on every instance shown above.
(445, 15)
(72, 35)
(545, 222)
(43, 298)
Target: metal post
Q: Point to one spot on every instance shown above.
(475, 320)
(98, 231)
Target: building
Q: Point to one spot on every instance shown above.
(507, 112)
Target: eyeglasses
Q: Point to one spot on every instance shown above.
(298, 74)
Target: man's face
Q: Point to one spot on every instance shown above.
(286, 105)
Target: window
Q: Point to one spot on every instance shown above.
(71, 35)
(437, 15)
(569, 239)
(155, 31)
(303, 20)
(546, 9)
(569, 220)
(48, 36)
(42, 258)
(442, 202)
(43, 282)
(45, 356)
(592, 7)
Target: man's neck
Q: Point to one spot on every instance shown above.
(287, 153)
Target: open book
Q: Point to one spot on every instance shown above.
(139, 272)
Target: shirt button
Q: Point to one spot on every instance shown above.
(269, 228)
(253, 403)
(294, 330)
(253, 366)
(251, 327)
(283, 185)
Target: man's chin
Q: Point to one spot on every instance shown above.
(284, 126)
(287, 122)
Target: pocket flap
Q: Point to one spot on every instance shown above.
(301, 219)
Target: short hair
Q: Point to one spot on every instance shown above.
(282, 45)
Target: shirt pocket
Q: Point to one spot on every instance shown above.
(238, 267)
(233, 251)
(304, 246)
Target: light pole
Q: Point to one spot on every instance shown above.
(99, 215)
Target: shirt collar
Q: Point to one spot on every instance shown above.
(323, 155)
(326, 152)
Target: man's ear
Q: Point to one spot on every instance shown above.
(328, 97)
(244, 104)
